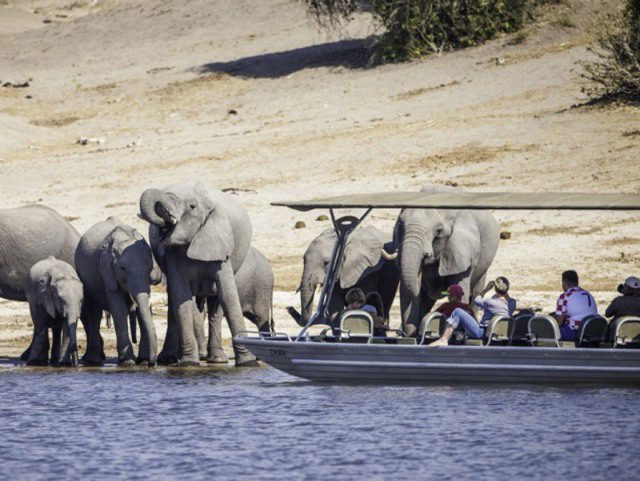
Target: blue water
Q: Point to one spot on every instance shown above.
(225, 424)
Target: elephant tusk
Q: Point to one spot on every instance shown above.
(172, 220)
(388, 256)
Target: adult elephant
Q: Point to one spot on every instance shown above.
(204, 236)
(363, 266)
(55, 294)
(28, 235)
(116, 267)
(437, 248)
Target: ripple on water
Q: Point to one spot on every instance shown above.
(195, 424)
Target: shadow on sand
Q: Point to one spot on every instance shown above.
(351, 54)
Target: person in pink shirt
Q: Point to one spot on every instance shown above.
(574, 304)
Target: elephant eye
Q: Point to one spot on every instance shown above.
(192, 206)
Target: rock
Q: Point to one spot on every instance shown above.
(46, 20)
(322, 218)
(232, 112)
(505, 235)
(28, 97)
(451, 183)
(300, 225)
(90, 140)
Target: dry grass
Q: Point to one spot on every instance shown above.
(415, 92)
(56, 121)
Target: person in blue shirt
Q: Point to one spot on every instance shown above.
(498, 304)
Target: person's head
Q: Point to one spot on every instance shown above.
(569, 279)
(354, 298)
(631, 286)
(374, 299)
(455, 293)
(501, 285)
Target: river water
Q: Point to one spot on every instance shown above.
(260, 423)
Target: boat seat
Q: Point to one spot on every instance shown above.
(627, 332)
(431, 327)
(544, 332)
(497, 331)
(519, 330)
(356, 326)
(592, 331)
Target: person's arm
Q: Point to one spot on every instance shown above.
(561, 309)
(611, 309)
(479, 299)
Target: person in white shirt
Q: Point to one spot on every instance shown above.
(574, 304)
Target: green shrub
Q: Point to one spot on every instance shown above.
(412, 28)
(615, 72)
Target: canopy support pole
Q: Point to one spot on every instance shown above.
(343, 226)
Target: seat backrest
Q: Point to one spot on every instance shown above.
(356, 323)
(592, 331)
(497, 329)
(544, 331)
(519, 328)
(627, 332)
(430, 326)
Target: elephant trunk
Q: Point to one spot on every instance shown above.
(70, 341)
(148, 201)
(148, 349)
(411, 265)
(307, 291)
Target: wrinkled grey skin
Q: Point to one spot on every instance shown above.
(254, 280)
(54, 292)
(116, 267)
(438, 248)
(28, 235)
(204, 236)
(363, 266)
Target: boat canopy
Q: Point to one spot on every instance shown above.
(473, 200)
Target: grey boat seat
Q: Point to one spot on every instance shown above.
(431, 327)
(355, 326)
(497, 331)
(519, 330)
(627, 332)
(592, 331)
(544, 332)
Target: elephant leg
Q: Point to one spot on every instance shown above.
(183, 308)
(120, 314)
(25, 355)
(56, 347)
(133, 319)
(91, 317)
(171, 347)
(228, 295)
(199, 313)
(215, 353)
(39, 352)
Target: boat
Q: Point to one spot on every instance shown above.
(346, 351)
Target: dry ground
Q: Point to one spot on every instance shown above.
(250, 95)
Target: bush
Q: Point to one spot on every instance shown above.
(615, 73)
(413, 28)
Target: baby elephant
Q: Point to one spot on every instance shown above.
(54, 292)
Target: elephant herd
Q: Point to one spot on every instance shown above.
(200, 240)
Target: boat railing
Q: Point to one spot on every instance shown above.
(272, 336)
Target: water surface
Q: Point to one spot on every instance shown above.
(224, 424)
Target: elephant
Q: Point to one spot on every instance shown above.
(204, 235)
(116, 267)
(54, 292)
(363, 266)
(254, 280)
(437, 248)
(28, 235)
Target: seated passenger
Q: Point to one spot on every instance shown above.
(499, 304)
(354, 299)
(573, 306)
(628, 304)
(455, 293)
(374, 306)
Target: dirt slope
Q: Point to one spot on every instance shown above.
(250, 95)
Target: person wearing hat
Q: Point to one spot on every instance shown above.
(628, 304)
(455, 293)
(498, 304)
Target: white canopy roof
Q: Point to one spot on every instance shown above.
(474, 200)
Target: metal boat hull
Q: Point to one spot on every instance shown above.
(380, 363)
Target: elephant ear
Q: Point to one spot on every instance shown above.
(107, 259)
(214, 240)
(45, 295)
(362, 255)
(463, 246)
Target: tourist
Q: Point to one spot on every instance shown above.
(455, 293)
(574, 304)
(628, 304)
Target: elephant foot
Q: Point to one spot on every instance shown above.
(250, 363)
(37, 362)
(145, 363)
(167, 359)
(187, 363)
(25, 355)
(203, 357)
(126, 363)
(218, 360)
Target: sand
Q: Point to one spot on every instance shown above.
(251, 95)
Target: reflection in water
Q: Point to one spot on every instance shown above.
(225, 423)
